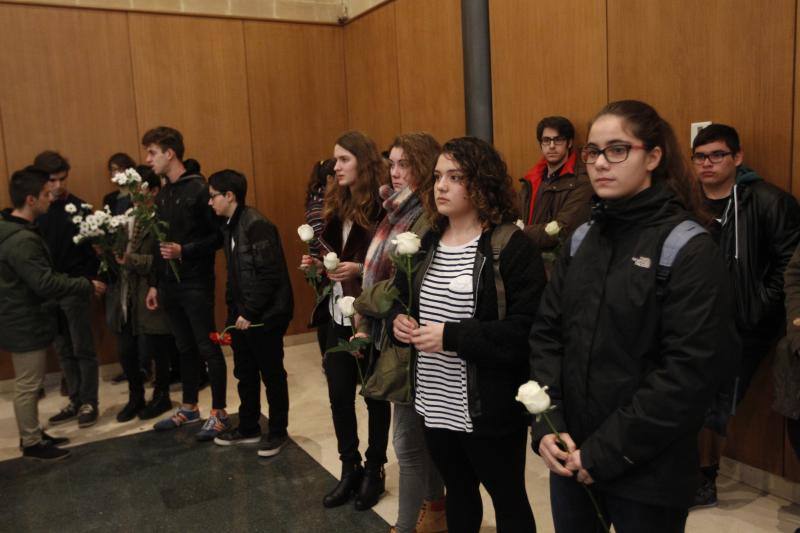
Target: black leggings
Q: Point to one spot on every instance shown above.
(466, 461)
(341, 371)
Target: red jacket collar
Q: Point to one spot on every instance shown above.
(534, 174)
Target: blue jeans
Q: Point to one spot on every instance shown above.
(75, 347)
(573, 511)
(190, 312)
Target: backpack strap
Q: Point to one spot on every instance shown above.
(577, 237)
(675, 241)
(500, 237)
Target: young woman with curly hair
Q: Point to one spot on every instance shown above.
(471, 354)
(351, 211)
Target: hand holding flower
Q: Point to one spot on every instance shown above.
(574, 464)
(403, 327)
(242, 323)
(345, 271)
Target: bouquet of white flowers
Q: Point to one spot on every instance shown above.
(107, 234)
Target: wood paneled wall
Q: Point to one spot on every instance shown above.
(548, 58)
(405, 70)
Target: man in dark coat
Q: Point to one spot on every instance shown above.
(757, 228)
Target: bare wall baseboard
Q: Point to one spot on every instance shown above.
(759, 479)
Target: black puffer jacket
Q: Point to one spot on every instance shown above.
(495, 350)
(183, 205)
(631, 371)
(760, 231)
(258, 281)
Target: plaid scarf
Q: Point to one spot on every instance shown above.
(403, 208)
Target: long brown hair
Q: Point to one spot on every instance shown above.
(421, 150)
(358, 202)
(644, 123)
(488, 183)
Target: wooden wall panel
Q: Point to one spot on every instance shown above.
(298, 108)
(67, 86)
(370, 58)
(548, 58)
(796, 130)
(190, 74)
(720, 69)
(430, 67)
(5, 173)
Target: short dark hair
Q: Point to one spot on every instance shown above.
(149, 177)
(165, 138)
(561, 124)
(121, 160)
(718, 132)
(230, 180)
(51, 162)
(27, 182)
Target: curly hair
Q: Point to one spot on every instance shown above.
(488, 183)
(358, 202)
(421, 150)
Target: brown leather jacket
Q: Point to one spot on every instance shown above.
(567, 200)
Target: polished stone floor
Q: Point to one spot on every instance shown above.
(236, 503)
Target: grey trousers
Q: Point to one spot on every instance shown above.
(29, 370)
(75, 347)
(419, 478)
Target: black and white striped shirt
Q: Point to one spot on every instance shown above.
(445, 296)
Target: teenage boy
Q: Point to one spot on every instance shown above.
(28, 282)
(74, 342)
(191, 242)
(556, 188)
(757, 227)
(260, 305)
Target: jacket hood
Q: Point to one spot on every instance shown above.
(746, 175)
(8, 226)
(535, 172)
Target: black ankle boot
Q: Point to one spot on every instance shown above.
(372, 486)
(349, 483)
(158, 405)
(131, 409)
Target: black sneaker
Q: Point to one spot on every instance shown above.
(44, 451)
(87, 415)
(70, 412)
(706, 495)
(119, 378)
(232, 437)
(273, 445)
(159, 405)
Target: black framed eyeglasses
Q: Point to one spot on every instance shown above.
(614, 153)
(698, 158)
(558, 141)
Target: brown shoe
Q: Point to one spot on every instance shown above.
(432, 517)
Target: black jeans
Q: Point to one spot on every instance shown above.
(190, 311)
(257, 357)
(75, 347)
(573, 511)
(132, 349)
(341, 371)
(466, 461)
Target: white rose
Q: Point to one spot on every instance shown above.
(346, 306)
(331, 261)
(520, 224)
(71, 209)
(552, 228)
(306, 233)
(407, 243)
(533, 397)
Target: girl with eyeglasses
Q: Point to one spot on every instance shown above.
(632, 350)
